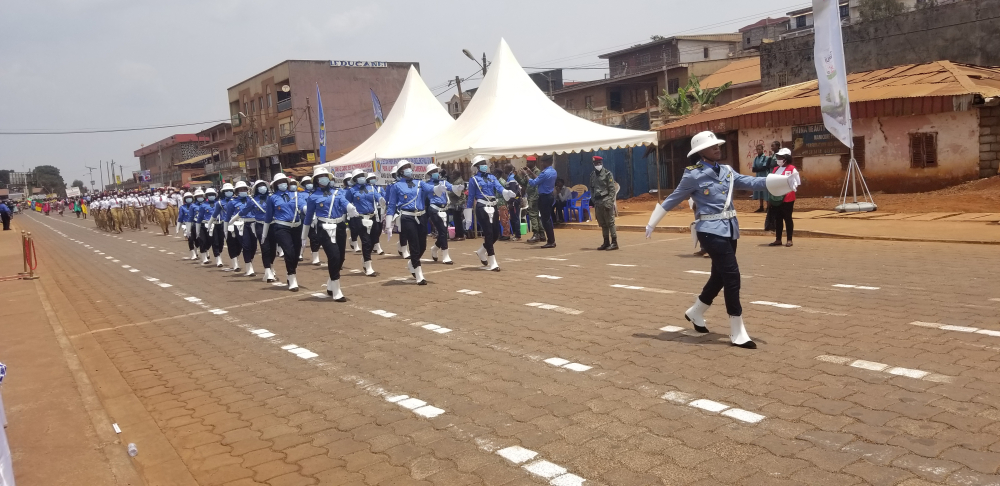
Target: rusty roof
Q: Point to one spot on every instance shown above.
(740, 71)
(933, 79)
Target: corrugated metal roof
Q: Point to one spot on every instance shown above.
(934, 79)
(194, 160)
(739, 72)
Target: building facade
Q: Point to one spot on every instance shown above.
(275, 118)
(764, 30)
(455, 107)
(165, 159)
(224, 163)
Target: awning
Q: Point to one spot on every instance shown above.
(194, 160)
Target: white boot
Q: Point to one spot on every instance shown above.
(250, 272)
(281, 253)
(493, 264)
(406, 251)
(696, 315)
(315, 260)
(446, 258)
(420, 276)
(378, 249)
(236, 265)
(481, 253)
(738, 333)
(434, 253)
(409, 266)
(368, 269)
(356, 245)
(293, 284)
(204, 258)
(218, 262)
(302, 252)
(333, 290)
(269, 275)
(399, 248)
(194, 255)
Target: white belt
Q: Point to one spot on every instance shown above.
(716, 217)
(486, 203)
(367, 216)
(331, 220)
(412, 213)
(249, 220)
(438, 208)
(288, 224)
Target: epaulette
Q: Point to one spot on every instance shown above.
(695, 166)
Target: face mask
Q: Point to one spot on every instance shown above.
(261, 190)
(435, 176)
(309, 187)
(200, 199)
(483, 169)
(323, 181)
(228, 194)
(781, 162)
(359, 181)
(293, 188)
(242, 194)
(407, 172)
(282, 187)
(187, 200)
(211, 198)
(349, 183)
(598, 167)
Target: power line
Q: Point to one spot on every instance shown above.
(110, 130)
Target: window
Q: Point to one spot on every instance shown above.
(260, 104)
(269, 98)
(845, 11)
(272, 134)
(588, 101)
(859, 154)
(748, 40)
(923, 150)
(644, 60)
(706, 53)
(673, 85)
(782, 79)
(800, 21)
(569, 104)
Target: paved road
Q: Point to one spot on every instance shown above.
(877, 364)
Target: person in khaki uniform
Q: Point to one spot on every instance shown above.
(602, 198)
(531, 194)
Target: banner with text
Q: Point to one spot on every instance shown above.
(831, 71)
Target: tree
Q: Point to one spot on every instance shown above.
(47, 177)
(690, 98)
(870, 10)
(656, 37)
(79, 183)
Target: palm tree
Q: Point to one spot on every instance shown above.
(682, 104)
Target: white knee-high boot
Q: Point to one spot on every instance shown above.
(409, 267)
(420, 276)
(696, 315)
(493, 266)
(446, 258)
(293, 283)
(218, 262)
(333, 290)
(434, 252)
(236, 265)
(269, 275)
(378, 249)
(482, 254)
(368, 269)
(315, 259)
(250, 272)
(738, 333)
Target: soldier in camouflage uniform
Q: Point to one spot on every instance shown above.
(602, 198)
(531, 194)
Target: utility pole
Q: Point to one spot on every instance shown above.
(312, 129)
(121, 174)
(100, 171)
(91, 177)
(461, 101)
(484, 64)
(111, 178)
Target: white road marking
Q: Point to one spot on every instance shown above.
(577, 367)
(949, 327)
(115, 261)
(550, 277)
(517, 454)
(884, 368)
(428, 411)
(861, 287)
(134, 270)
(557, 361)
(672, 329)
(682, 398)
(619, 265)
(319, 295)
(644, 289)
(698, 272)
(164, 285)
(708, 405)
(380, 312)
(776, 304)
(563, 310)
(545, 469)
(568, 480)
(126, 266)
(218, 312)
(108, 257)
(192, 299)
(469, 292)
(565, 363)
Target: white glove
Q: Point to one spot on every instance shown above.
(381, 201)
(654, 219)
(439, 190)
(263, 234)
(457, 189)
(352, 212)
(508, 194)
(388, 231)
(779, 185)
(467, 213)
(794, 180)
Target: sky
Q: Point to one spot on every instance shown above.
(109, 64)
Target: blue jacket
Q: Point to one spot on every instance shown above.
(439, 201)
(219, 212)
(326, 204)
(483, 186)
(203, 211)
(185, 213)
(254, 208)
(363, 197)
(710, 191)
(235, 206)
(281, 206)
(402, 197)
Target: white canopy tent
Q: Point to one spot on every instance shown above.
(416, 117)
(511, 117)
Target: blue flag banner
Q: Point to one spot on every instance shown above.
(322, 127)
(378, 110)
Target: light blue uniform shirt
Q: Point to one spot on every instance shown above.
(328, 205)
(254, 208)
(710, 191)
(546, 181)
(402, 197)
(483, 186)
(219, 209)
(363, 197)
(185, 213)
(281, 206)
(235, 206)
(203, 211)
(439, 201)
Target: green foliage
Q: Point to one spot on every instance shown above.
(870, 10)
(690, 97)
(656, 37)
(47, 177)
(79, 183)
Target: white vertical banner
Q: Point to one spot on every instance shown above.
(831, 70)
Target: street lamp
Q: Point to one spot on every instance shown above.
(483, 64)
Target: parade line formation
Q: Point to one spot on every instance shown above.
(281, 217)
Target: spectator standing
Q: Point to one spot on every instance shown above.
(781, 206)
(545, 182)
(514, 206)
(602, 198)
(5, 215)
(763, 164)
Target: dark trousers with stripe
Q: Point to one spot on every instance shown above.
(415, 229)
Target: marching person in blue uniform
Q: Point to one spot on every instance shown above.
(344, 227)
(252, 214)
(372, 181)
(237, 227)
(216, 234)
(185, 223)
(222, 213)
(711, 185)
(203, 212)
(355, 247)
(282, 217)
(309, 184)
(362, 215)
(437, 191)
(402, 248)
(328, 211)
(484, 188)
(407, 200)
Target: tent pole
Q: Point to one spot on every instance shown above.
(658, 191)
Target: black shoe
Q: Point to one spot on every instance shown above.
(504, 238)
(746, 345)
(761, 210)
(774, 243)
(516, 238)
(342, 299)
(373, 274)
(605, 246)
(614, 245)
(549, 245)
(422, 282)
(534, 239)
(703, 330)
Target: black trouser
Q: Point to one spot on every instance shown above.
(545, 202)
(491, 231)
(376, 232)
(204, 241)
(6, 221)
(415, 229)
(218, 238)
(403, 241)
(329, 245)
(782, 215)
(342, 243)
(192, 239)
(515, 216)
(354, 233)
(249, 240)
(358, 228)
(441, 226)
(314, 243)
(268, 249)
(725, 272)
(234, 244)
(290, 241)
(459, 216)
(558, 210)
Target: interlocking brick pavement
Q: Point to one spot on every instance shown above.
(239, 409)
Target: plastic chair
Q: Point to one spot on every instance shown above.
(579, 204)
(572, 197)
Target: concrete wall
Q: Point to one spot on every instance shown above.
(694, 51)
(887, 154)
(963, 32)
(989, 141)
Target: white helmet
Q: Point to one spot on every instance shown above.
(479, 159)
(357, 172)
(431, 168)
(239, 185)
(319, 170)
(371, 175)
(257, 184)
(187, 195)
(402, 165)
(347, 176)
(279, 176)
(702, 141)
(198, 192)
(227, 187)
(210, 190)
(307, 178)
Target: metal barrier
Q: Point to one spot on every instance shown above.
(28, 257)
